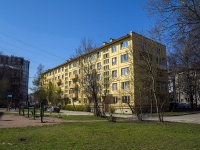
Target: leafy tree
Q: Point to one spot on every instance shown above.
(39, 91)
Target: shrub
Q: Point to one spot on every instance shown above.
(79, 107)
(87, 108)
(75, 108)
(70, 107)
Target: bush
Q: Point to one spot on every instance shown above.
(87, 108)
(70, 107)
(80, 107)
(75, 108)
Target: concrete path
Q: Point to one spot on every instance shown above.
(192, 118)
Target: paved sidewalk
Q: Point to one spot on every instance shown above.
(192, 118)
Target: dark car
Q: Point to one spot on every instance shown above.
(56, 109)
(52, 108)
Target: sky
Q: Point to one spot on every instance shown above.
(48, 32)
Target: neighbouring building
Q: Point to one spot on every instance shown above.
(184, 87)
(115, 67)
(14, 71)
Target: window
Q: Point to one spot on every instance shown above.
(106, 67)
(62, 76)
(85, 100)
(125, 99)
(124, 44)
(124, 58)
(158, 51)
(70, 74)
(115, 100)
(105, 50)
(114, 86)
(114, 73)
(92, 66)
(113, 48)
(58, 70)
(85, 69)
(114, 61)
(98, 54)
(106, 61)
(144, 47)
(75, 72)
(98, 77)
(70, 66)
(106, 73)
(85, 59)
(106, 80)
(62, 68)
(58, 77)
(74, 64)
(125, 71)
(106, 55)
(92, 57)
(125, 85)
(99, 65)
(106, 86)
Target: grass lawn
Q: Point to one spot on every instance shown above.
(103, 135)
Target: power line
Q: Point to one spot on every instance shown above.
(25, 49)
(14, 53)
(31, 45)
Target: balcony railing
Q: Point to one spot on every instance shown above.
(73, 86)
(74, 95)
(58, 81)
(74, 76)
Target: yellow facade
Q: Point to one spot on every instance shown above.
(115, 63)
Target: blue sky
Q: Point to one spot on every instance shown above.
(48, 31)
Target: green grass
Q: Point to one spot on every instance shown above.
(104, 136)
(77, 117)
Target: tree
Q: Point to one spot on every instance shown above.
(177, 20)
(53, 93)
(184, 72)
(149, 76)
(92, 81)
(39, 91)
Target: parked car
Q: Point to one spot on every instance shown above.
(52, 108)
(183, 105)
(45, 107)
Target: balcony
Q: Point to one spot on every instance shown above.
(74, 95)
(58, 81)
(74, 76)
(73, 86)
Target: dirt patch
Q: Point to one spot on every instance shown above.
(14, 121)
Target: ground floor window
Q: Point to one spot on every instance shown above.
(85, 100)
(125, 99)
(115, 100)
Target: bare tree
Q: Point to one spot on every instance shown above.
(177, 20)
(184, 69)
(149, 76)
(94, 81)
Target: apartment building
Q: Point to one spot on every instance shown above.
(15, 71)
(114, 69)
